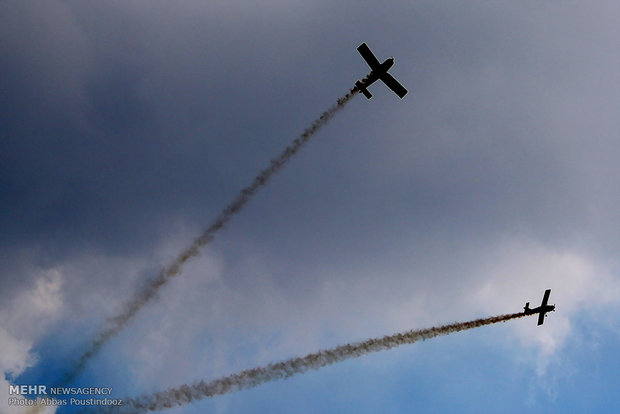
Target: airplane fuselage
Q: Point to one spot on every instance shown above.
(540, 309)
(375, 74)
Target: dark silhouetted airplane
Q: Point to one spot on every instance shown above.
(542, 309)
(379, 71)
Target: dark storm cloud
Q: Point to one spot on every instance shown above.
(116, 125)
(174, 269)
(104, 130)
(153, 110)
(507, 120)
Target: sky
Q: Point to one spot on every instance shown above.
(127, 126)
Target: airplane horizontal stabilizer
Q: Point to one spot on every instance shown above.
(360, 87)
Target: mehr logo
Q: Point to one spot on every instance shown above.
(27, 389)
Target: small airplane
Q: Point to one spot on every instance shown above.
(542, 309)
(379, 71)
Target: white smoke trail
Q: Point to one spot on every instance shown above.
(249, 378)
(119, 322)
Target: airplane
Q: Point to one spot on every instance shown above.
(542, 309)
(379, 71)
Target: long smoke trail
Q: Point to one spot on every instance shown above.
(280, 370)
(118, 323)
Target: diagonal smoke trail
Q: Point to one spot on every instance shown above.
(280, 370)
(118, 323)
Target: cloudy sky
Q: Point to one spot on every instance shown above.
(126, 126)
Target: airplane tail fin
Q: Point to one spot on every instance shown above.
(526, 307)
(360, 87)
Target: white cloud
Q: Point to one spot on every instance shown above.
(22, 323)
(34, 308)
(521, 273)
(24, 318)
(15, 355)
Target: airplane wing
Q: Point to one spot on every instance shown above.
(368, 56)
(541, 318)
(546, 297)
(393, 84)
